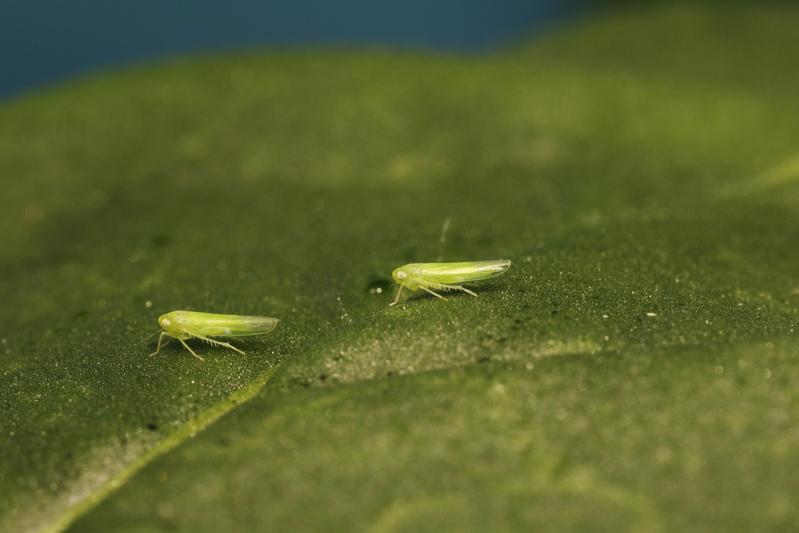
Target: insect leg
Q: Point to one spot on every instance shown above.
(216, 342)
(461, 288)
(431, 292)
(397, 299)
(189, 349)
(158, 348)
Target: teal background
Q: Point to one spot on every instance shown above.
(42, 41)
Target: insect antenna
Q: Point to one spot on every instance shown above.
(443, 239)
(153, 334)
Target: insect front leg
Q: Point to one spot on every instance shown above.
(158, 347)
(190, 350)
(397, 299)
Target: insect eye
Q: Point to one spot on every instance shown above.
(401, 275)
(165, 321)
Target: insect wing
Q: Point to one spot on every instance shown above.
(215, 325)
(448, 273)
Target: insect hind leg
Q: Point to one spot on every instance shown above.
(215, 342)
(448, 287)
(431, 292)
(464, 289)
(228, 345)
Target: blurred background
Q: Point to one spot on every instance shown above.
(43, 41)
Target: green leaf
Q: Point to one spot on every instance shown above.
(633, 370)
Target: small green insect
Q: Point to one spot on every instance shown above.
(445, 276)
(182, 325)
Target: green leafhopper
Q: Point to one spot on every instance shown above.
(183, 325)
(446, 276)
